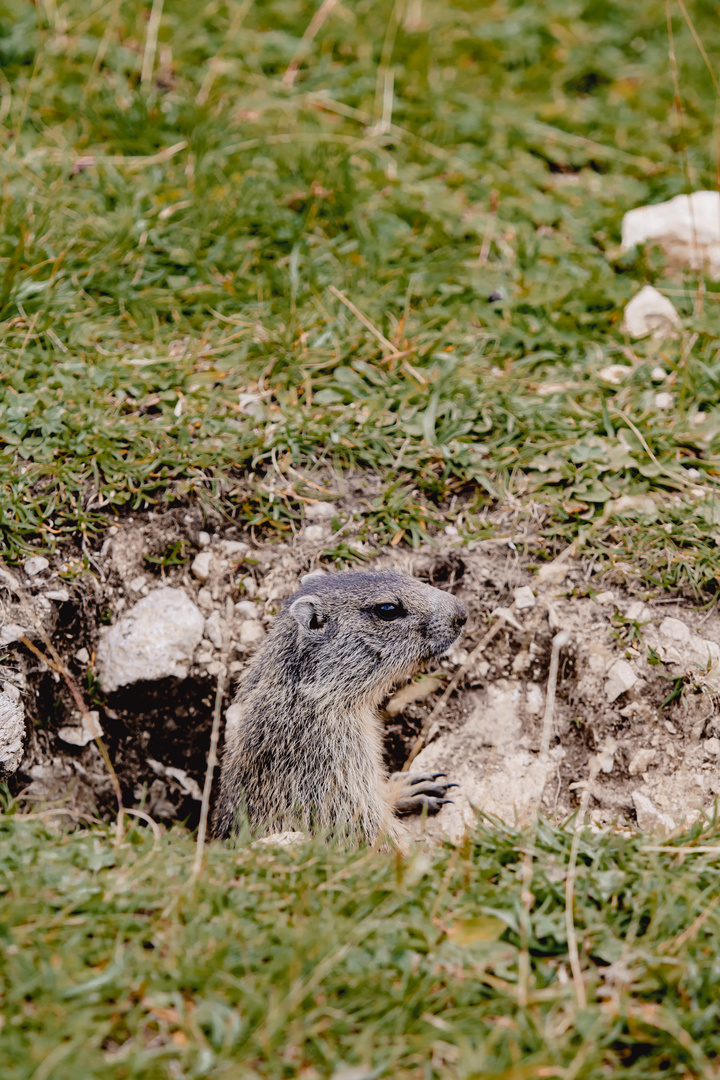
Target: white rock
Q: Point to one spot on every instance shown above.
(12, 632)
(615, 373)
(687, 228)
(85, 732)
(658, 374)
(607, 597)
(251, 632)
(82, 656)
(535, 700)
(246, 609)
(314, 534)
(35, 565)
(649, 312)
(674, 629)
(214, 629)
(524, 598)
(61, 595)
(664, 400)
(620, 679)
(138, 583)
(201, 565)
(320, 511)
(234, 548)
(214, 667)
(712, 746)
(638, 611)
(205, 599)
(12, 731)
(155, 640)
(648, 815)
(204, 539)
(250, 586)
(606, 755)
(640, 761)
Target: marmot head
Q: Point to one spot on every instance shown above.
(353, 635)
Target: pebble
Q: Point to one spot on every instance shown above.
(60, 595)
(205, 600)
(524, 598)
(251, 632)
(664, 400)
(313, 534)
(214, 629)
(234, 548)
(321, 511)
(83, 733)
(620, 679)
(35, 565)
(649, 312)
(674, 629)
(201, 565)
(250, 586)
(607, 597)
(640, 760)
(137, 583)
(712, 746)
(203, 539)
(686, 227)
(246, 609)
(648, 815)
(82, 656)
(154, 640)
(12, 731)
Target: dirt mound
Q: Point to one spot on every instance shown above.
(637, 680)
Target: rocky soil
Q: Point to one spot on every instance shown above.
(147, 622)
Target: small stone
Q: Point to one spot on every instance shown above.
(640, 761)
(233, 715)
(82, 656)
(620, 679)
(251, 632)
(156, 639)
(615, 373)
(712, 746)
(606, 755)
(84, 733)
(664, 400)
(250, 586)
(201, 565)
(138, 583)
(205, 599)
(203, 539)
(234, 549)
(314, 534)
(35, 565)
(674, 629)
(60, 595)
(607, 597)
(649, 312)
(12, 731)
(648, 815)
(638, 611)
(524, 598)
(214, 667)
(535, 700)
(320, 511)
(12, 632)
(246, 609)
(658, 374)
(686, 227)
(214, 629)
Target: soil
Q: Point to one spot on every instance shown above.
(636, 690)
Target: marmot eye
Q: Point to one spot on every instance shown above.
(388, 612)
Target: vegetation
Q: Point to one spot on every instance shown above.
(311, 962)
(181, 195)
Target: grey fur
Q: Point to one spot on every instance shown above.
(307, 752)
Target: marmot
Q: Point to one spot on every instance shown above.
(307, 751)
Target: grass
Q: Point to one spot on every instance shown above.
(312, 962)
(176, 207)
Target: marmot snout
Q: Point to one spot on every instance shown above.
(307, 752)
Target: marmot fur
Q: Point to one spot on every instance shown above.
(307, 751)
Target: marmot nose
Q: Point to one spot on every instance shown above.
(460, 617)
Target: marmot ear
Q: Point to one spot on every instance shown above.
(308, 612)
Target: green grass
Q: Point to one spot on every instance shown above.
(311, 962)
(140, 296)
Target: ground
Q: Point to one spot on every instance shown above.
(260, 259)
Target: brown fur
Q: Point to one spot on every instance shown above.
(307, 752)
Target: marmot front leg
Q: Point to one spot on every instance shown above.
(414, 792)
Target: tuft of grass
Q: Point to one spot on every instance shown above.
(314, 962)
(179, 197)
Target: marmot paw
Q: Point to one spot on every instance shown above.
(421, 791)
